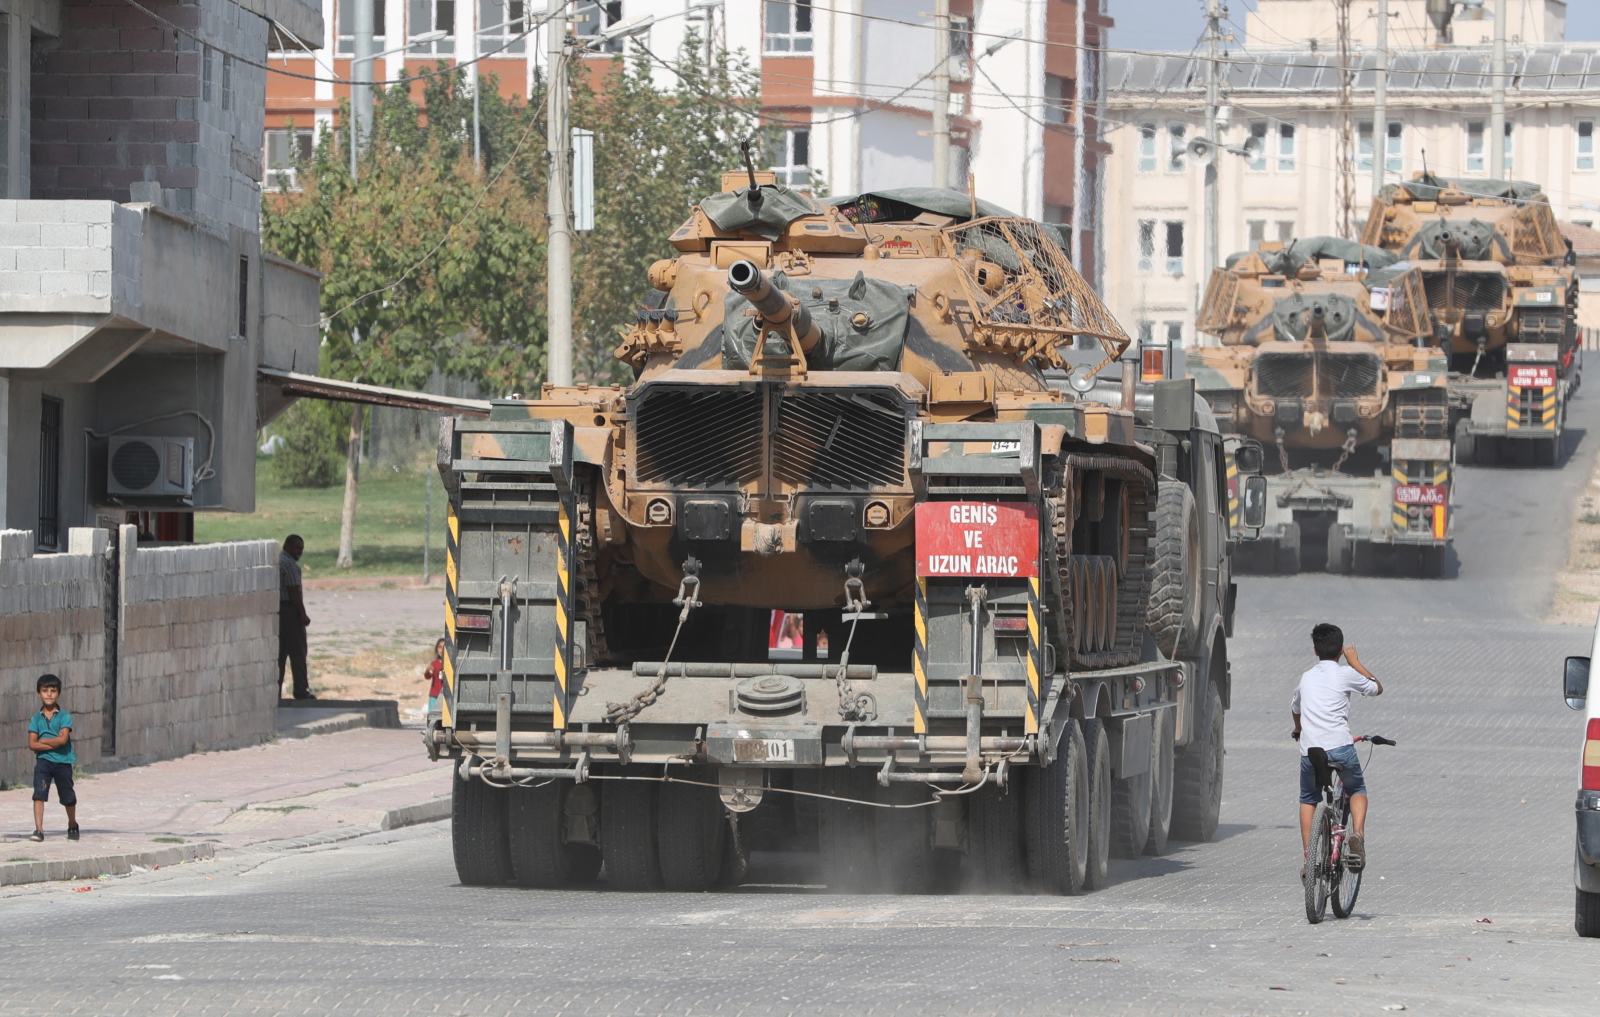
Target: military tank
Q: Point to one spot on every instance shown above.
(1324, 358)
(1503, 298)
(839, 545)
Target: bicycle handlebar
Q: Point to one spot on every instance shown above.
(1376, 739)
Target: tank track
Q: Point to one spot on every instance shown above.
(586, 593)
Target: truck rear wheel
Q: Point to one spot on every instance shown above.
(1174, 606)
(1466, 446)
(1289, 550)
(540, 855)
(1057, 818)
(628, 811)
(905, 841)
(1586, 921)
(691, 825)
(1340, 557)
(1161, 765)
(1130, 813)
(479, 833)
(846, 839)
(995, 838)
(1097, 757)
(1197, 790)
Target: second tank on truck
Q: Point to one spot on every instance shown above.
(839, 536)
(1323, 360)
(1503, 300)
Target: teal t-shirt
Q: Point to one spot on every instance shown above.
(49, 727)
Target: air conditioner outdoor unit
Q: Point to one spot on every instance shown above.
(141, 465)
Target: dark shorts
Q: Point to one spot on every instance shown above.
(1343, 759)
(44, 772)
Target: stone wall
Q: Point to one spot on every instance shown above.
(198, 649)
(191, 634)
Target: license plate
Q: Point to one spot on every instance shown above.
(1531, 377)
(763, 750)
(1420, 494)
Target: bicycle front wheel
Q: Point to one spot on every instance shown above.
(1319, 864)
(1346, 885)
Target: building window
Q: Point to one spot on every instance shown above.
(1177, 158)
(1057, 99)
(794, 166)
(788, 28)
(1174, 248)
(287, 150)
(1147, 246)
(1258, 233)
(227, 81)
(5, 105)
(1286, 148)
(207, 59)
(1474, 146)
(1508, 148)
(1174, 333)
(502, 22)
(1392, 151)
(1256, 144)
(1147, 148)
(244, 297)
(427, 16)
(1147, 331)
(49, 535)
(594, 19)
(1585, 145)
(347, 26)
(1285, 230)
(1364, 146)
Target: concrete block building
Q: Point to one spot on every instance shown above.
(135, 300)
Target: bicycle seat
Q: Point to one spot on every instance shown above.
(1321, 768)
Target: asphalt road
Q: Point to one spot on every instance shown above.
(1467, 906)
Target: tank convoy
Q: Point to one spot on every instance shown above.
(1005, 587)
(1503, 299)
(1324, 359)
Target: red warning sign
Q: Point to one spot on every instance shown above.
(976, 538)
(1535, 376)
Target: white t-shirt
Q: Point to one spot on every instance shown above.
(1323, 703)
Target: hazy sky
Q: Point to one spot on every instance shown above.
(1177, 24)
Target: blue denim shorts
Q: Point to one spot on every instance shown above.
(1343, 759)
(44, 773)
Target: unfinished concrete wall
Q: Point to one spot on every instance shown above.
(198, 648)
(52, 620)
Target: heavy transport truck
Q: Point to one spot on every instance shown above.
(839, 571)
(1503, 294)
(1324, 358)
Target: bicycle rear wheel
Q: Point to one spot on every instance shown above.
(1319, 864)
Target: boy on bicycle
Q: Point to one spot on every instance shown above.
(1321, 709)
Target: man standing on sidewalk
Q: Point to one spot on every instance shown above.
(292, 617)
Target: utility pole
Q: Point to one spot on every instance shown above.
(1380, 103)
(1346, 158)
(941, 93)
(558, 278)
(361, 70)
(1497, 97)
(1213, 101)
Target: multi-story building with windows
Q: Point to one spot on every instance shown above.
(1280, 107)
(852, 79)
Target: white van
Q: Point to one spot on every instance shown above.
(1586, 861)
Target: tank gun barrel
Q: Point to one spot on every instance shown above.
(1317, 321)
(1451, 244)
(777, 308)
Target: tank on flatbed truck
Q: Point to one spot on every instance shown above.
(840, 545)
(1503, 296)
(1323, 358)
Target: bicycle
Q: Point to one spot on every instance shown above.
(1327, 877)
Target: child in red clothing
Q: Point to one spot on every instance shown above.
(434, 674)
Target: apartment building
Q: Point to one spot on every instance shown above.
(1280, 104)
(136, 305)
(850, 79)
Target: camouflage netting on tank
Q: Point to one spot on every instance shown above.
(834, 304)
(1428, 187)
(1289, 260)
(778, 207)
(1294, 315)
(901, 204)
(1477, 241)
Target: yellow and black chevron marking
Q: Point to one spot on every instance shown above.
(1513, 408)
(563, 617)
(1035, 658)
(1398, 517)
(919, 660)
(1530, 408)
(1547, 410)
(452, 553)
(1233, 494)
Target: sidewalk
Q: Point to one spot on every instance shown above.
(303, 790)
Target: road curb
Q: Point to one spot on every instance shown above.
(430, 811)
(51, 870)
(327, 725)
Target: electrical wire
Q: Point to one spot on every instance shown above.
(201, 472)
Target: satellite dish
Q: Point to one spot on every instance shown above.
(1200, 150)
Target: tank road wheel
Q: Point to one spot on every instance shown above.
(539, 853)
(1174, 611)
(905, 854)
(1097, 757)
(1056, 818)
(1197, 787)
(1130, 813)
(995, 838)
(1161, 765)
(690, 828)
(1288, 557)
(1466, 446)
(628, 811)
(846, 837)
(479, 834)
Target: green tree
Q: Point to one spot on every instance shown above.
(309, 455)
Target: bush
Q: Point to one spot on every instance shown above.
(311, 454)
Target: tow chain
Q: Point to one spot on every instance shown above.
(687, 599)
(1348, 447)
(1283, 453)
(854, 707)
